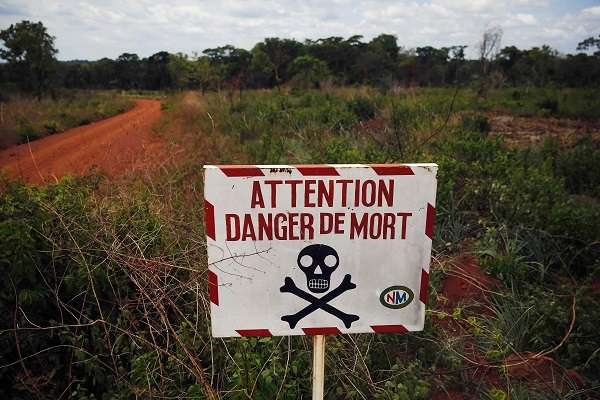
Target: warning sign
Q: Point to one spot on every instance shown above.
(318, 249)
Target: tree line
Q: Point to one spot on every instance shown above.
(30, 64)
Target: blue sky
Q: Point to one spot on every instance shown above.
(95, 29)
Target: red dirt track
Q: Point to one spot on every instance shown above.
(114, 145)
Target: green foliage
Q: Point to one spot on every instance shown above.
(362, 107)
(25, 130)
(476, 123)
(406, 384)
(29, 51)
(308, 71)
(52, 127)
(579, 167)
(549, 105)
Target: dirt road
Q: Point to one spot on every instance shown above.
(113, 145)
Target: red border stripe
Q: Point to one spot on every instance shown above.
(424, 286)
(213, 287)
(322, 331)
(392, 169)
(209, 219)
(389, 328)
(235, 171)
(254, 332)
(317, 170)
(429, 224)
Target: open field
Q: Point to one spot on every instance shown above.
(107, 294)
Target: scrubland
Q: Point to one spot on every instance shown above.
(105, 292)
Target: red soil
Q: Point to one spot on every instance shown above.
(466, 285)
(541, 372)
(113, 146)
(467, 282)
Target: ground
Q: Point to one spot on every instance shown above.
(527, 131)
(113, 145)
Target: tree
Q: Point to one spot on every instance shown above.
(180, 70)
(488, 50)
(339, 54)
(589, 44)
(128, 70)
(277, 54)
(204, 75)
(432, 63)
(489, 47)
(29, 51)
(308, 71)
(158, 74)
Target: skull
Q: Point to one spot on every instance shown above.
(318, 261)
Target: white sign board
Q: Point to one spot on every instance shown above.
(318, 249)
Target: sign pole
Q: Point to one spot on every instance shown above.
(318, 378)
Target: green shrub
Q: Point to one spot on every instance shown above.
(475, 123)
(52, 127)
(580, 168)
(362, 107)
(549, 105)
(25, 130)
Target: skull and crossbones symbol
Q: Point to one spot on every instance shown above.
(318, 261)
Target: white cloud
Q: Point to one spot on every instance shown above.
(92, 29)
(526, 19)
(591, 12)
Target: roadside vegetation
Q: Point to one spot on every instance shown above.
(106, 296)
(25, 118)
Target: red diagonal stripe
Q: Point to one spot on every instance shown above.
(253, 332)
(322, 331)
(209, 219)
(213, 287)
(317, 170)
(392, 169)
(389, 328)
(234, 171)
(430, 221)
(424, 286)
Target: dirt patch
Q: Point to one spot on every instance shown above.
(541, 372)
(526, 131)
(114, 145)
(468, 286)
(466, 282)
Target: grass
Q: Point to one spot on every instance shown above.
(115, 272)
(24, 118)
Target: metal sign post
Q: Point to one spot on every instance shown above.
(318, 376)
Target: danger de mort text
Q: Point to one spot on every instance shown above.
(287, 211)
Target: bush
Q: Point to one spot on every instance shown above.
(52, 127)
(362, 107)
(476, 123)
(580, 168)
(25, 130)
(549, 105)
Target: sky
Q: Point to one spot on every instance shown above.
(95, 29)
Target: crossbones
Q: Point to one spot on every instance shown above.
(318, 303)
